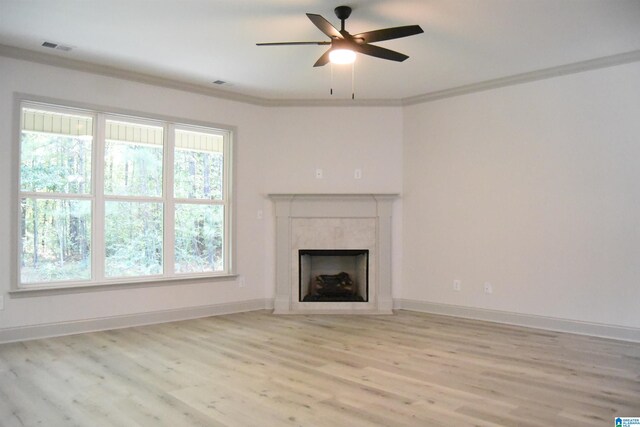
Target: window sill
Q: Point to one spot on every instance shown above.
(35, 291)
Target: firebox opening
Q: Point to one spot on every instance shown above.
(334, 275)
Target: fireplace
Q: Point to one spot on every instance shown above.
(333, 275)
(333, 253)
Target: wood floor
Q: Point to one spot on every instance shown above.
(256, 369)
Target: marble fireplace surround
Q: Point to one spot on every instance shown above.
(333, 221)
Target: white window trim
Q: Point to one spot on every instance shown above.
(98, 281)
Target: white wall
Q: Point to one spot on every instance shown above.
(534, 188)
(531, 187)
(278, 150)
(338, 140)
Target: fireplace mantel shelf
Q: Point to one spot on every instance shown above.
(332, 195)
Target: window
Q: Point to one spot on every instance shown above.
(107, 198)
(199, 220)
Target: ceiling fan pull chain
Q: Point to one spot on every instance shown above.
(353, 80)
(331, 88)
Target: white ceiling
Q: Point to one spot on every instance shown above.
(199, 41)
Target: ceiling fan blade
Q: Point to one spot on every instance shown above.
(324, 26)
(323, 60)
(292, 43)
(379, 52)
(389, 33)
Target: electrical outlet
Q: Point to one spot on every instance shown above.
(241, 283)
(488, 289)
(457, 285)
(357, 174)
(319, 173)
(259, 215)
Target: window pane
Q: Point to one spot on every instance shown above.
(199, 164)
(133, 159)
(199, 238)
(133, 239)
(55, 152)
(56, 240)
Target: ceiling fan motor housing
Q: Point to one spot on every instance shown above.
(342, 12)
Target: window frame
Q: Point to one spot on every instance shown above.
(98, 198)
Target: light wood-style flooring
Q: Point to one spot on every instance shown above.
(257, 369)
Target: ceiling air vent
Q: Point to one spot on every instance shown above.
(219, 82)
(57, 46)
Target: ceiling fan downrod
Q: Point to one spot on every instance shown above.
(343, 13)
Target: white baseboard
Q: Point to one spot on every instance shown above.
(529, 320)
(23, 333)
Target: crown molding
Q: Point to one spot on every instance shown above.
(105, 70)
(545, 73)
(334, 103)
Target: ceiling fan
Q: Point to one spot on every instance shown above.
(345, 45)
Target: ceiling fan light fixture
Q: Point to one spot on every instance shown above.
(342, 56)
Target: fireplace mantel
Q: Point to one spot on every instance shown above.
(333, 221)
